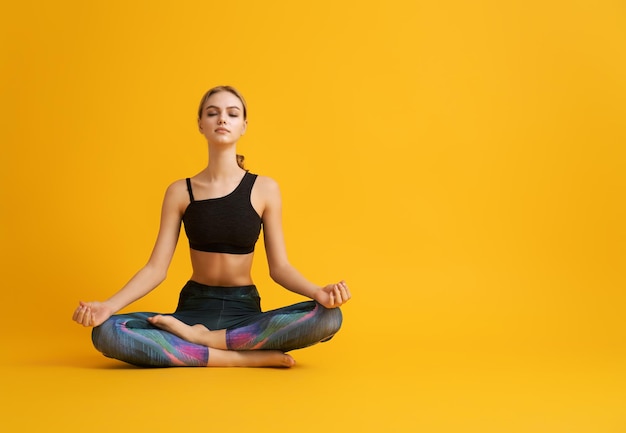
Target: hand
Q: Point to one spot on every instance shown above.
(333, 295)
(91, 313)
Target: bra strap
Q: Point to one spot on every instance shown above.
(189, 190)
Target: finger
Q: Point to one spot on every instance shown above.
(80, 313)
(80, 310)
(75, 314)
(92, 318)
(77, 311)
(345, 293)
(338, 298)
(88, 317)
(346, 290)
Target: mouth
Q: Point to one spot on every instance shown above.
(222, 130)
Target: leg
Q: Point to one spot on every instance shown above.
(287, 328)
(283, 329)
(130, 338)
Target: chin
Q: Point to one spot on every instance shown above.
(223, 140)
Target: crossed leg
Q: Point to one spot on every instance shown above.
(284, 329)
(133, 339)
(216, 341)
(262, 342)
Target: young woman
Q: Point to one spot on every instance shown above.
(218, 321)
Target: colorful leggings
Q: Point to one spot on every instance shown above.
(132, 339)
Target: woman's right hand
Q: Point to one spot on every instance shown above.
(91, 313)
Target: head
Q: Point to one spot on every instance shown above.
(218, 89)
(203, 109)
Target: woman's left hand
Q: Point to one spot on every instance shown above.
(333, 295)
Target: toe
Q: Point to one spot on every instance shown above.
(288, 361)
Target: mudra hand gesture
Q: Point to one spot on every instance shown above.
(333, 295)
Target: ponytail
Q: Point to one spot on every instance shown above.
(240, 159)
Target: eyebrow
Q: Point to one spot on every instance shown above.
(216, 107)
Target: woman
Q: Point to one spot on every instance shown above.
(218, 321)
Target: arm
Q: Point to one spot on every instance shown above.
(150, 275)
(281, 271)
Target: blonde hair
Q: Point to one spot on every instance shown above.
(217, 89)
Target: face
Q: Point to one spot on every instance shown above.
(222, 118)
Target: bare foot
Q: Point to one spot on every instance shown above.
(197, 334)
(249, 358)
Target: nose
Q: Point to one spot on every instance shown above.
(221, 119)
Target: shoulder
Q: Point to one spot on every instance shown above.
(266, 195)
(177, 195)
(267, 186)
(178, 187)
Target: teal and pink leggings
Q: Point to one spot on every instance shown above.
(132, 339)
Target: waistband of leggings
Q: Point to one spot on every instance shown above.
(221, 291)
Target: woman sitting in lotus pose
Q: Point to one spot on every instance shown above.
(218, 320)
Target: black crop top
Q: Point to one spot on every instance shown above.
(226, 224)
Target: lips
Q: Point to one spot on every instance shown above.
(222, 130)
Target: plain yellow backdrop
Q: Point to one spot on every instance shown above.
(461, 164)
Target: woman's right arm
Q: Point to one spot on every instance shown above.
(155, 270)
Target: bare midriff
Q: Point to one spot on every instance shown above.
(220, 269)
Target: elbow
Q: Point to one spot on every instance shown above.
(160, 277)
(275, 276)
(157, 274)
(277, 273)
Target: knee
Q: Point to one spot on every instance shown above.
(102, 335)
(108, 337)
(332, 319)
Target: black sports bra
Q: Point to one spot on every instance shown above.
(226, 224)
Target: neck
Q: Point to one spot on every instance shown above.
(222, 162)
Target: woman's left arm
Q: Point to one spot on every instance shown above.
(281, 271)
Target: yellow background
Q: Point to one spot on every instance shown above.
(460, 163)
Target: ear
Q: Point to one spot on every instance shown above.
(245, 126)
(199, 125)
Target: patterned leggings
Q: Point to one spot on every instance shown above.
(132, 339)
